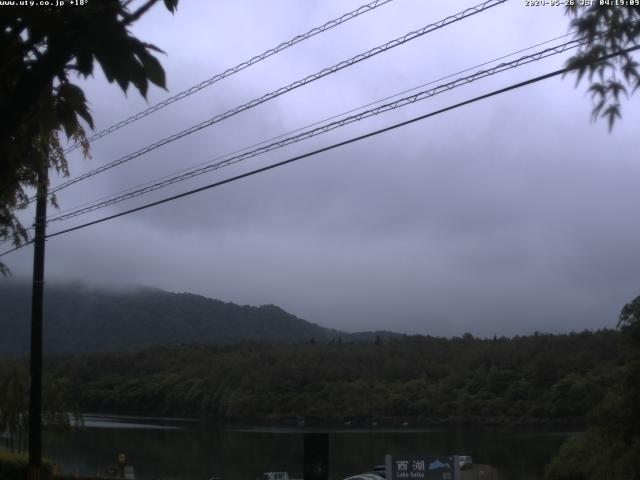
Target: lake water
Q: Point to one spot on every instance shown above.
(165, 448)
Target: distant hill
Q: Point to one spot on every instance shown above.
(79, 319)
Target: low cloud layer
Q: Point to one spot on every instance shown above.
(504, 217)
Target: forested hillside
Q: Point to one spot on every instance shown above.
(80, 319)
(533, 379)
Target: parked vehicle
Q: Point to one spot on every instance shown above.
(366, 476)
(380, 470)
(275, 476)
(465, 462)
(378, 473)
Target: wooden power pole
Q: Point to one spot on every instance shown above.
(35, 388)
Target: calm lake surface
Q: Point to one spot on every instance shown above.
(166, 448)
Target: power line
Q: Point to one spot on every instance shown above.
(11, 239)
(330, 147)
(402, 102)
(16, 248)
(316, 123)
(308, 126)
(230, 71)
(336, 145)
(282, 90)
(233, 70)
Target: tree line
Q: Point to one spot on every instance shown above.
(610, 448)
(536, 379)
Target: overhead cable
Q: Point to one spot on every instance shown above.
(282, 90)
(402, 102)
(514, 86)
(305, 127)
(230, 71)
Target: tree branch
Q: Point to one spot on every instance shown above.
(129, 18)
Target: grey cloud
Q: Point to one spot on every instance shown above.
(503, 217)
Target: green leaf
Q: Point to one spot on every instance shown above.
(577, 62)
(171, 5)
(151, 46)
(75, 97)
(612, 112)
(139, 78)
(68, 121)
(630, 69)
(85, 63)
(616, 88)
(86, 116)
(597, 108)
(106, 66)
(597, 89)
(153, 69)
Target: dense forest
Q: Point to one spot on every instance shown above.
(423, 380)
(157, 353)
(82, 320)
(610, 448)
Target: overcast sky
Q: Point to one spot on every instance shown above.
(508, 216)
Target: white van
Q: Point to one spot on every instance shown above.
(465, 462)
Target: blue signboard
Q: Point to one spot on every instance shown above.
(422, 467)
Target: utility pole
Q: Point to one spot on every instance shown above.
(35, 389)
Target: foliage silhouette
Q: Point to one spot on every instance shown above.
(41, 51)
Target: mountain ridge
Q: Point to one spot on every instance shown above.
(83, 319)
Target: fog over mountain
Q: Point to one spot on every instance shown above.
(507, 216)
(80, 319)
